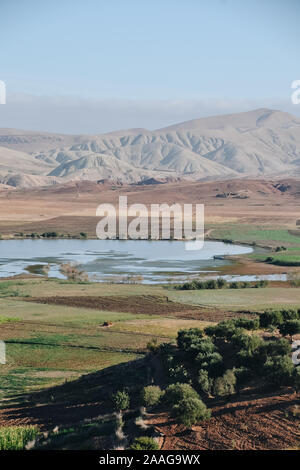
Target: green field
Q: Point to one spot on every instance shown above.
(50, 344)
(263, 237)
(244, 299)
(256, 234)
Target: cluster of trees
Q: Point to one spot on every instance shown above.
(286, 320)
(256, 357)
(208, 369)
(181, 399)
(203, 357)
(218, 361)
(49, 235)
(220, 283)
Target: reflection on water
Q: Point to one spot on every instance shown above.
(155, 261)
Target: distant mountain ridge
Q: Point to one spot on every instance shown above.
(259, 143)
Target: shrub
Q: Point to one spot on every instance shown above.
(49, 235)
(290, 314)
(151, 395)
(211, 284)
(290, 327)
(262, 283)
(225, 385)
(250, 352)
(279, 369)
(221, 283)
(190, 411)
(234, 285)
(212, 362)
(144, 443)
(120, 400)
(245, 284)
(16, 437)
(153, 345)
(247, 323)
(204, 381)
(178, 372)
(279, 347)
(270, 318)
(185, 338)
(177, 392)
(202, 346)
(248, 343)
(224, 329)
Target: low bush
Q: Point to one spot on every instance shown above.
(187, 337)
(290, 327)
(234, 285)
(270, 318)
(151, 395)
(153, 345)
(224, 329)
(177, 392)
(120, 400)
(278, 347)
(144, 443)
(222, 283)
(247, 323)
(279, 370)
(225, 385)
(212, 362)
(16, 437)
(190, 411)
(290, 314)
(204, 381)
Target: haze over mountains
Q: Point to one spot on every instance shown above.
(259, 143)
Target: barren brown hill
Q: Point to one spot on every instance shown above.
(71, 208)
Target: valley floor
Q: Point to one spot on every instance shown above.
(68, 344)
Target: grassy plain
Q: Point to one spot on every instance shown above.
(47, 344)
(254, 300)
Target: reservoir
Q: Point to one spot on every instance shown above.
(113, 260)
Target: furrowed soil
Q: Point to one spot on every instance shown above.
(148, 305)
(246, 424)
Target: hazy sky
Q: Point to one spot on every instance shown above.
(99, 65)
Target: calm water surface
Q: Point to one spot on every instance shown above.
(156, 261)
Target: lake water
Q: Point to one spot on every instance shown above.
(156, 261)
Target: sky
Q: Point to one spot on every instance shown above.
(92, 66)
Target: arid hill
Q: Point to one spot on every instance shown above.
(260, 143)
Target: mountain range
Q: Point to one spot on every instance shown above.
(259, 143)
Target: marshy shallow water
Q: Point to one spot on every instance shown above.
(110, 260)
